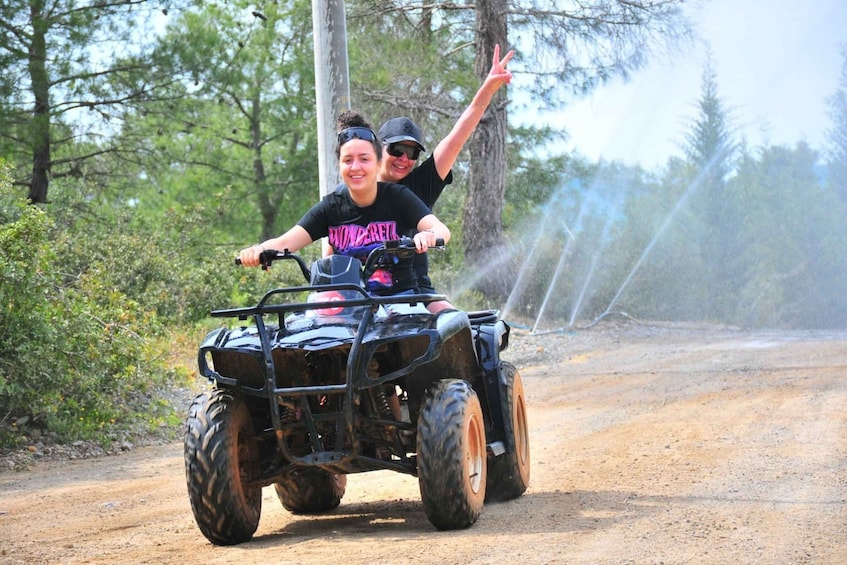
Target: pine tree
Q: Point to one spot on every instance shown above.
(710, 152)
(837, 135)
(60, 85)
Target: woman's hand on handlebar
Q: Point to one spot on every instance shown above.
(249, 257)
(431, 233)
(426, 239)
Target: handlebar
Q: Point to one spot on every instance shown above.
(268, 256)
(403, 247)
(400, 246)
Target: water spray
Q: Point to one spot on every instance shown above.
(642, 258)
(682, 200)
(527, 262)
(604, 238)
(559, 266)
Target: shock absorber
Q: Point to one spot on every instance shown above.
(381, 404)
(287, 414)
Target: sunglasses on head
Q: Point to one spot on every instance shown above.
(348, 134)
(398, 149)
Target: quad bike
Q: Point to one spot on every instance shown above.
(330, 380)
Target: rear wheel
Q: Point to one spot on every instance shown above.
(310, 490)
(221, 455)
(508, 474)
(452, 462)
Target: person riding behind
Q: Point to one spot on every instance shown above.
(403, 143)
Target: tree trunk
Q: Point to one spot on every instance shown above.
(41, 111)
(268, 206)
(482, 225)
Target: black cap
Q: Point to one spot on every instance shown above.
(401, 129)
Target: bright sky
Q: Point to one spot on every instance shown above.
(776, 63)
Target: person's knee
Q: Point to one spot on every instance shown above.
(436, 307)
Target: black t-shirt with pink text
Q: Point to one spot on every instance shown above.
(355, 231)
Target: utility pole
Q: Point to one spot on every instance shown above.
(332, 83)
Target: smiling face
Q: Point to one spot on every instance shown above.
(358, 165)
(395, 169)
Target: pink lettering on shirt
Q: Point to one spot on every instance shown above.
(351, 237)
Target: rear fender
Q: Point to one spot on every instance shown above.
(491, 337)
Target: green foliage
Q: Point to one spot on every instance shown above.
(76, 361)
(174, 273)
(792, 269)
(235, 129)
(58, 75)
(418, 64)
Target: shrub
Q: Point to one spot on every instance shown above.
(74, 359)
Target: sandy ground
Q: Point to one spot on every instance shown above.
(650, 444)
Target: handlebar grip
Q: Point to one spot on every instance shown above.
(439, 242)
(265, 258)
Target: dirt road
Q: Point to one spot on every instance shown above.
(650, 444)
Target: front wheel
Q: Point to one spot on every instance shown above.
(221, 455)
(452, 462)
(508, 474)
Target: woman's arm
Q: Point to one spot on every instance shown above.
(448, 149)
(293, 240)
(430, 229)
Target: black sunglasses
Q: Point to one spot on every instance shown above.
(348, 134)
(397, 149)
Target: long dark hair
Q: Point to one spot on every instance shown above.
(354, 124)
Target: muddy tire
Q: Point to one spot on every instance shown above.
(452, 461)
(508, 474)
(220, 456)
(309, 490)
